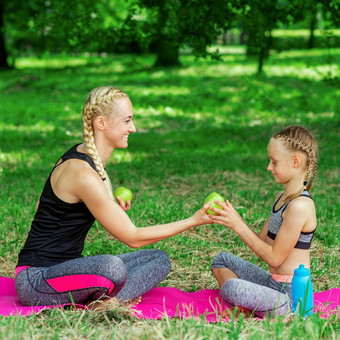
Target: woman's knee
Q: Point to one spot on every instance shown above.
(114, 269)
(161, 257)
(164, 258)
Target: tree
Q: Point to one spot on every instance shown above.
(323, 12)
(3, 52)
(166, 25)
(68, 25)
(58, 25)
(18, 29)
(312, 18)
(259, 17)
(14, 16)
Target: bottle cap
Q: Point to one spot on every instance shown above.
(301, 271)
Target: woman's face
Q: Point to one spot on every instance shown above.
(120, 124)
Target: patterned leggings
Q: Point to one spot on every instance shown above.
(124, 276)
(254, 289)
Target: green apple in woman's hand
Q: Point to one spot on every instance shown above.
(124, 193)
(214, 196)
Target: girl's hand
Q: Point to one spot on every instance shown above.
(228, 216)
(121, 203)
(201, 216)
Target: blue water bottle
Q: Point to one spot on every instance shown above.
(302, 291)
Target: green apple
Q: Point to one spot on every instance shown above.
(123, 193)
(214, 196)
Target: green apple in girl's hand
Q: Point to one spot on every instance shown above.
(123, 193)
(214, 196)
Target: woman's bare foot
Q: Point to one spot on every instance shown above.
(112, 303)
(101, 305)
(134, 302)
(236, 312)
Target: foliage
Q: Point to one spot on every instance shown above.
(196, 23)
(163, 27)
(258, 18)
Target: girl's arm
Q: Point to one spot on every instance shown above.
(92, 191)
(264, 230)
(289, 232)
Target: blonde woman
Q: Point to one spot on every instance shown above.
(51, 269)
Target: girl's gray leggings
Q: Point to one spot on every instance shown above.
(124, 276)
(254, 289)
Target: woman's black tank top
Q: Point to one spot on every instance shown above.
(59, 229)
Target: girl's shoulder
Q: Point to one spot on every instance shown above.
(302, 205)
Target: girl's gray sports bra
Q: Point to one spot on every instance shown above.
(275, 221)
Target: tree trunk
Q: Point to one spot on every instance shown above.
(252, 42)
(224, 38)
(261, 58)
(269, 43)
(312, 28)
(167, 54)
(3, 52)
(263, 43)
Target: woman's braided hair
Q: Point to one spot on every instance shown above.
(101, 101)
(299, 138)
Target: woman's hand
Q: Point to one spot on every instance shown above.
(228, 216)
(121, 203)
(201, 216)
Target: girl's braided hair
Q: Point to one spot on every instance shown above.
(101, 101)
(299, 138)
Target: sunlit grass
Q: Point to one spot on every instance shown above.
(51, 62)
(303, 32)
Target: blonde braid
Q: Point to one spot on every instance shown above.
(90, 146)
(311, 158)
(99, 102)
(299, 138)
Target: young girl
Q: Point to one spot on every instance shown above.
(284, 241)
(51, 269)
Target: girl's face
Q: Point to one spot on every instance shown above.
(120, 124)
(281, 162)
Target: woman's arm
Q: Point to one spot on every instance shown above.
(91, 190)
(37, 204)
(288, 235)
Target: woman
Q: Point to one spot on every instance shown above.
(51, 269)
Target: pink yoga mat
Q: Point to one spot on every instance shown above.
(169, 301)
(172, 302)
(10, 303)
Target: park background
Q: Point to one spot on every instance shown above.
(210, 81)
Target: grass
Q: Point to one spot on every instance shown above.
(202, 127)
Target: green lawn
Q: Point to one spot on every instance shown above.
(202, 127)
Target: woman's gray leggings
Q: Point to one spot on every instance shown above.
(254, 289)
(124, 276)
